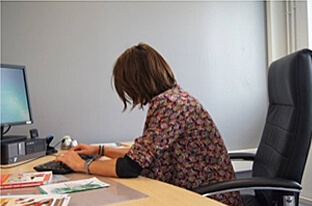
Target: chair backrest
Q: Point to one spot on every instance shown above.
(286, 138)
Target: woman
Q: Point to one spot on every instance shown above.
(180, 143)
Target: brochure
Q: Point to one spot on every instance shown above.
(34, 200)
(73, 186)
(25, 179)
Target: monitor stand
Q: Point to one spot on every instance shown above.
(11, 138)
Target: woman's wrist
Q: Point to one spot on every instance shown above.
(96, 150)
(80, 166)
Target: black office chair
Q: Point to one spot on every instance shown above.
(281, 156)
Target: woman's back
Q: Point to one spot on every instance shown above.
(182, 146)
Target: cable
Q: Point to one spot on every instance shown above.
(8, 167)
(6, 131)
(57, 143)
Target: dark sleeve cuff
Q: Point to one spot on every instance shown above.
(127, 168)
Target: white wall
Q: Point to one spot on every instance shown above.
(302, 34)
(216, 49)
(286, 38)
(309, 5)
(276, 24)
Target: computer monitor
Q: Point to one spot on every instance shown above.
(15, 106)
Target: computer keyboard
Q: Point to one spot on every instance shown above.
(59, 167)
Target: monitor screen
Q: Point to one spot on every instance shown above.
(15, 108)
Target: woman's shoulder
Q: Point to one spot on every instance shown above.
(176, 98)
(172, 95)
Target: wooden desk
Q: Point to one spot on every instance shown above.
(158, 193)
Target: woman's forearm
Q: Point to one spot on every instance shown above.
(104, 168)
(113, 152)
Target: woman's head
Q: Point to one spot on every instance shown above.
(140, 74)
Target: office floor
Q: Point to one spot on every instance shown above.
(304, 203)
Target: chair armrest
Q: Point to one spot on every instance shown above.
(242, 156)
(256, 183)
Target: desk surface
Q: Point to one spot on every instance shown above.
(158, 193)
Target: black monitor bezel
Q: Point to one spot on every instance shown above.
(30, 121)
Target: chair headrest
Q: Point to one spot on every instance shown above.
(286, 75)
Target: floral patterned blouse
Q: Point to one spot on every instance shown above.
(182, 146)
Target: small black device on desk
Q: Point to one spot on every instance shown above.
(59, 167)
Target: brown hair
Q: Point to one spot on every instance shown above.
(140, 74)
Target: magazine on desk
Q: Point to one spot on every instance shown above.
(24, 179)
(73, 186)
(34, 200)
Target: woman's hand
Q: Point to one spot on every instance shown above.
(72, 160)
(85, 149)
